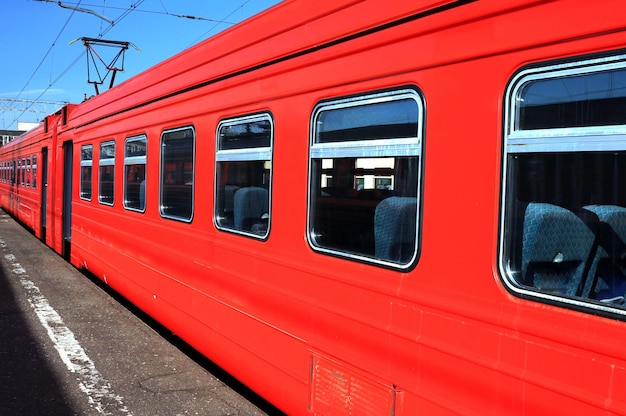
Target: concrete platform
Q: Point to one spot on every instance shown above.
(70, 347)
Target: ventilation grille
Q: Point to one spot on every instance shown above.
(337, 389)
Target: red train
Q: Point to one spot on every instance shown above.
(365, 207)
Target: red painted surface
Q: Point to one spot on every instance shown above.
(444, 338)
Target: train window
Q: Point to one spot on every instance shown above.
(364, 178)
(135, 152)
(177, 173)
(23, 172)
(244, 175)
(106, 173)
(28, 172)
(563, 231)
(34, 172)
(86, 163)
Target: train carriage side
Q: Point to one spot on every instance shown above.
(21, 178)
(346, 229)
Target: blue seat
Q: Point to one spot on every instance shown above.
(611, 257)
(395, 225)
(556, 249)
(250, 205)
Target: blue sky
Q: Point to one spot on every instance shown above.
(39, 63)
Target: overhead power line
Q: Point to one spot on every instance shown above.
(74, 6)
(39, 108)
(80, 9)
(127, 11)
(42, 61)
(30, 106)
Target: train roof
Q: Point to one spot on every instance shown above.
(280, 32)
(29, 135)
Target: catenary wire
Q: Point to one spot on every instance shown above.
(41, 62)
(129, 10)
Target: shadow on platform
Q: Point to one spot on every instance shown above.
(28, 386)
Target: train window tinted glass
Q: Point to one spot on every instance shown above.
(177, 174)
(135, 153)
(106, 173)
(364, 184)
(28, 172)
(251, 134)
(23, 172)
(86, 163)
(583, 100)
(34, 172)
(372, 121)
(564, 222)
(243, 175)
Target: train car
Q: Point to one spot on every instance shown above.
(373, 207)
(21, 180)
(35, 181)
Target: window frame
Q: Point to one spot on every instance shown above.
(162, 172)
(27, 180)
(33, 179)
(108, 161)
(604, 138)
(244, 155)
(135, 160)
(368, 148)
(86, 163)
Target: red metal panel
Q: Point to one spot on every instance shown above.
(444, 338)
(339, 390)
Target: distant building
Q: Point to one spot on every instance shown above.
(8, 135)
(27, 125)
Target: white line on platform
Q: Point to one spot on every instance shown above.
(99, 392)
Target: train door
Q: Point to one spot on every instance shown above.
(44, 192)
(68, 151)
